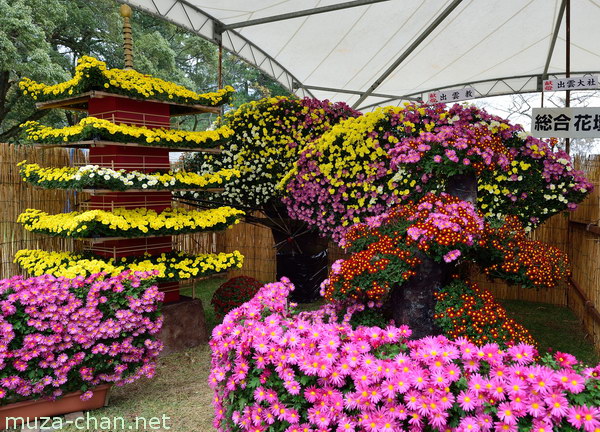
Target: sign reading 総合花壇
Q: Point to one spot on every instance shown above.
(565, 122)
(447, 96)
(572, 83)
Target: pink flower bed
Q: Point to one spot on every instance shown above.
(59, 335)
(312, 372)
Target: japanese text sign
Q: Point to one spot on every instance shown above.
(571, 83)
(565, 122)
(451, 95)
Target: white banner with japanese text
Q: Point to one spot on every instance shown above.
(448, 96)
(565, 122)
(589, 82)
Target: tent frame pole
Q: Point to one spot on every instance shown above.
(300, 13)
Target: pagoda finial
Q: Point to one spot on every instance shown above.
(125, 11)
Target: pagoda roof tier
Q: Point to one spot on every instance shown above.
(104, 131)
(96, 240)
(80, 103)
(93, 79)
(129, 222)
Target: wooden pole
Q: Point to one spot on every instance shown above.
(220, 76)
(568, 66)
(125, 11)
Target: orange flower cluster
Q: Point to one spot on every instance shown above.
(368, 274)
(464, 309)
(385, 248)
(521, 261)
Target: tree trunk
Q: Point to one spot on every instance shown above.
(301, 253)
(413, 302)
(302, 259)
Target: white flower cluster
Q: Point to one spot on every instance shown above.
(98, 177)
(128, 178)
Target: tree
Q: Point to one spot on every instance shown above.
(42, 40)
(25, 51)
(268, 135)
(424, 183)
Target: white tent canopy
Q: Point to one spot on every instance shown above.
(379, 52)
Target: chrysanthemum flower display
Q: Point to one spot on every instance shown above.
(506, 253)
(123, 222)
(97, 177)
(233, 293)
(364, 165)
(384, 249)
(129, 218)
(465, 310)
(268, 134)
(538, 184)
(62, 335)
(170, 266)
(92, 74)
(92, 128)
(274, 370)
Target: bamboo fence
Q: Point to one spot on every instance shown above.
(256, 242)
(584, 251)
(16, 196)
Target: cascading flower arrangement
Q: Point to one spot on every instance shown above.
(92, 128)
(274, 370)
(466, 310)
(506, 253)
(385, 248)
(365, 165)
(346, 366)
(124, 222)
(538, 184)
(172, 266)
(267, 136)
(385, 252)
(97, 177)
(92, 74)
(62, 335)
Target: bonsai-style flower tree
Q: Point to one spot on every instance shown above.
(399, 189)
(452, 178)
(267, 137)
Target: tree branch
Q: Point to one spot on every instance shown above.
(13, 131)
(4, 86)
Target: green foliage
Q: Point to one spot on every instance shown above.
(233, 293)
(42, 39)
(370, 317)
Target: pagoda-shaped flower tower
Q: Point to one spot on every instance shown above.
(128, 221)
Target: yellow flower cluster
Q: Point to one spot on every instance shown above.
(503, 183)
(124, 222)
(351, 152)
(269, 133)
(92, 74)
(171, 266)
(96, 177)
(90, 127)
